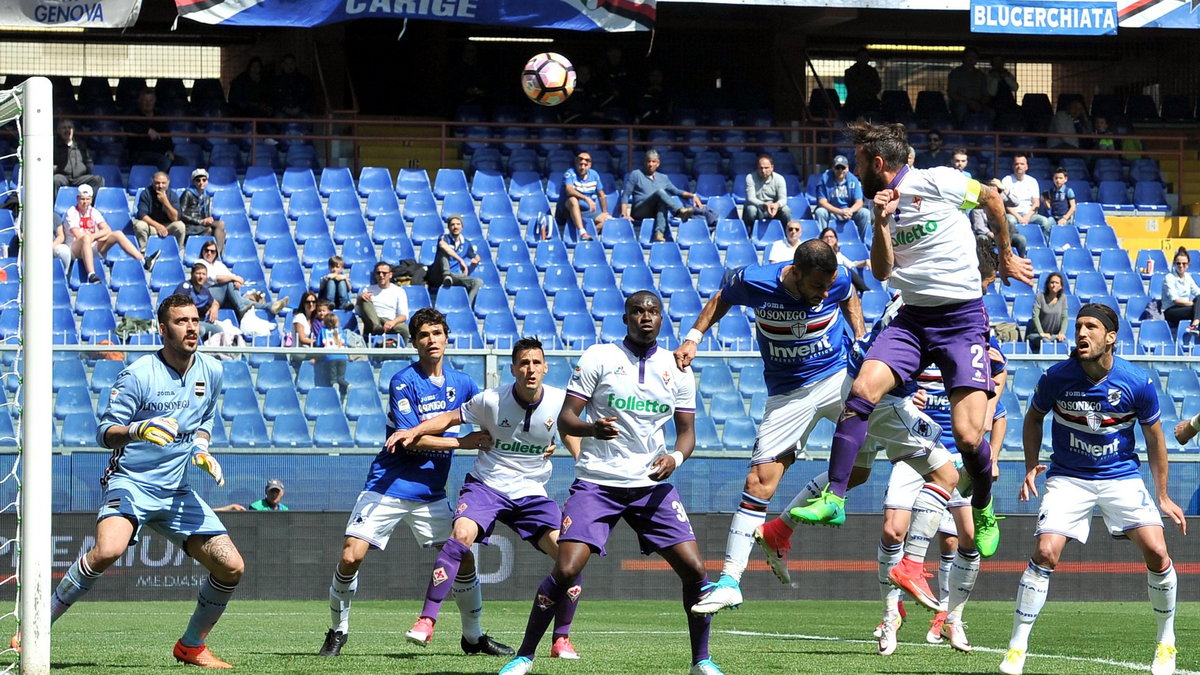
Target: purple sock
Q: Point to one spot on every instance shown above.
(565, 613)
(979, 467)
(847, 440)
(698, 624)
(445, 569)
(550, 593)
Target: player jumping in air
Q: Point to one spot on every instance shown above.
(159, 419)
(507, 483)
(1096, 398)
(630, 390)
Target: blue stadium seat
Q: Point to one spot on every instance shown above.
(550, 252)
(316, 254)
(531, 207)
(485, 183)
(521, 276)
(65, 373)
(1150, 198)
(578, 331)
(570, 301)
(740, 255)
(733, 332)
(691, 232)
(104, 375)
(98, 324)
(332, 431)
(607, 302)
(297, 180)
(525, 183)
(419, 204)
(706, 434)
(79, 430)
(370, 431)
(1113, 195)
(1114, 261)
(596, 279)
(1063, 237)
(618, 231)
(500, 330)
(349, 226)
(374, 179)
(1101, 238)
(321, 401)
(235, 375)
(529, 301)
(709, 281)
(1089, 285)
(237, 401)
(1089, 214)
(504, 229)
(410, 181)
(703, 256)
(1155, 337)
(664, 254)
(1077, 260)
(541, 326)
(361, 401)
(272, 375)
(450, 181)
(335, 179)
(739, 434)
(380, 204)
(729, 231)
(92, 297)
(280, 401)
(725, 406)
(636, 278)
(303, 202)
(684, 305)
(343, 203)
(279, 250)
(264, 203)
(612, 329)
(290, 431)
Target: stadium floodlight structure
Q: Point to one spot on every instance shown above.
(29, 107)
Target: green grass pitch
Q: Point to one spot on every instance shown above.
(617, 638)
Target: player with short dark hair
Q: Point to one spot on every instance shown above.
(630, 390)
(408, 485)
(507, 484)
(158, 420)
(1096, 397)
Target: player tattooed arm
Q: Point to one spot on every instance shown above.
(852, 310)
(882, 207)
(1011, 267)
(713, 310)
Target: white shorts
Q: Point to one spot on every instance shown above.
(375, 516)
(790, 418)
(905, 484)
(905, 434)
(1067, 505)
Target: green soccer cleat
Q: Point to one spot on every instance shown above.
(828, 510)
(987, 530)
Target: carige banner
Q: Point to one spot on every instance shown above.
(69, 13)
(603, 15)
(1044, 17)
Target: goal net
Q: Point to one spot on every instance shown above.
(26, 197)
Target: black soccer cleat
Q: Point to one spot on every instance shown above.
(486, 645)
(334, 641)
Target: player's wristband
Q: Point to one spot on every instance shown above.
(201, 444)
(1195, 422)
(694, 336)
(678, 457)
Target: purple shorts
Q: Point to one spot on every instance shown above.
(952, 336)
(529, 517)
(655, 513)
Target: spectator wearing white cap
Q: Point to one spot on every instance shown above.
(195, 210)
(86, 233)
(274, 499)
(840, 197)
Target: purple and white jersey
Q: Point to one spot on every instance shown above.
(932, 241)
(643, 394)
(800, 343)
(1092, 431)
(514, 466)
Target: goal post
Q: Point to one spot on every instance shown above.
(30, 104)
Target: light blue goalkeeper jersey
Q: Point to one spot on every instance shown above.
(150, 388)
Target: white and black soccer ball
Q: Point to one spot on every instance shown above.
(548, 78)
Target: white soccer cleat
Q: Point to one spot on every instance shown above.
(717, 596)
(1014, 662)
(956, 633)
(705, 667)
(519, 666)
(887, 635)
(1164, 660)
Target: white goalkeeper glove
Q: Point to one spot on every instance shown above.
(157, 430)
(203, 459)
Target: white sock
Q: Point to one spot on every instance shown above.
(1031, 596)
(964, 570)
(469, 597)
(751, 513)
(811, 490)
(1161, 587)
(341, 592)
(889, 556)
(943, 577)
(926, 516)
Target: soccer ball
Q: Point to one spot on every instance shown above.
(548, 78)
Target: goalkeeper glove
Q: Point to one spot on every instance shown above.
(203, 459)
(157, 430)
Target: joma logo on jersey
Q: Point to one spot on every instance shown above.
(522, 448)
(1094, 449)
(915, 233)
(634, 404)
(799, 351)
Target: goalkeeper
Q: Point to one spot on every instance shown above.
(159, 419)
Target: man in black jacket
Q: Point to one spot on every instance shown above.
(72, 161)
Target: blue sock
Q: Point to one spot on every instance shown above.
(210, 605)
(75, 583)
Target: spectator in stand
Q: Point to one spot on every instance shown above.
(766, 195)
(1049, 322)
(1071, 122)
(273, 501)
(936, 154)
(335, 286)
(331, 338)
(72, 161)
(1107, 142)
(196, 289)
(1002, 86)
(959, 160)
(455, 259)
(967, 88)
(302, 324)
(830, 236)
(617, 80)
(862, 86)
(291, 90)
(87, 235)
(249, 95)
(582, 197)
(840, 197)
(226, 287)
(1022, 195)
(383, 306)
(649, 194)
(158, 211)
(1060, 202)
(653, 105)
(912, 156)
(784, 250)
(195, 210)
(1179, 291)
(149, 143)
